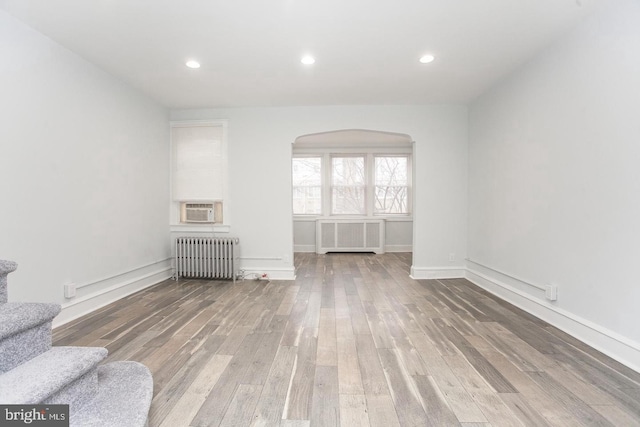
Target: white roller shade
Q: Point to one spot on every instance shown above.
(198, 162)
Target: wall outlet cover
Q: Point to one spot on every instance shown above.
(70, 290)
(551, 292)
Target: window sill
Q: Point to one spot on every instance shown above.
(388, 218)
(200, 228)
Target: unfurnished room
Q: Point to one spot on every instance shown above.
(339, 213)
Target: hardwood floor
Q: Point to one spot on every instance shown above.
(355, 342)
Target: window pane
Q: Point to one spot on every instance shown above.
(347, 171)
(391, 200)
(307, 200)
(347, 200)
(391, 171)
(391, 191)
(348, 185)
(306, 171)
(307, 182)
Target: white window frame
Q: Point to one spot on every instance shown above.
(366, 184)
(322, 182)
(369, 152)
(409, 185)
(175, 205)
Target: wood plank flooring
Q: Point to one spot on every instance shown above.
(353, 341)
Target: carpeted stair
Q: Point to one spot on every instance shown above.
(25, 332)
(116, 394)
(6, 267)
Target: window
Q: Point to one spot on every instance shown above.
(199, 171)
(348, 185)
(352, 184)
(352, 172)
(391, 185)
(307, 185)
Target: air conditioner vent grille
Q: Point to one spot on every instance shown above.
(372, 235)
(328, 234)
(350, 235)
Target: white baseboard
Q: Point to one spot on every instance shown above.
(286, 273)
(387, 248)
(602, 339)
(398, 248)
(119, 286)
(418, 273)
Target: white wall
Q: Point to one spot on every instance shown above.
(554, 183)
(260, 177)
(83, 173)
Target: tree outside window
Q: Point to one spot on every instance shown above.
(348, 185)
(307, 185)
(365, 184)
(391, 185)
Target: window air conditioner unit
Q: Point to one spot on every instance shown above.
(197, 212)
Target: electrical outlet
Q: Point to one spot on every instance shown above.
(452, 257)
(551, 292)
(70, 290)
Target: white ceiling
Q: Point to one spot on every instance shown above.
(366, 51)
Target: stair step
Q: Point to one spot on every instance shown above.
(19, 316)
(6, 267)
(60, 375)
(25, 332)
(125, 390)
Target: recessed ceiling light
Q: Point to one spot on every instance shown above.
(307, 60)
(427, 58)
(192, 64)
